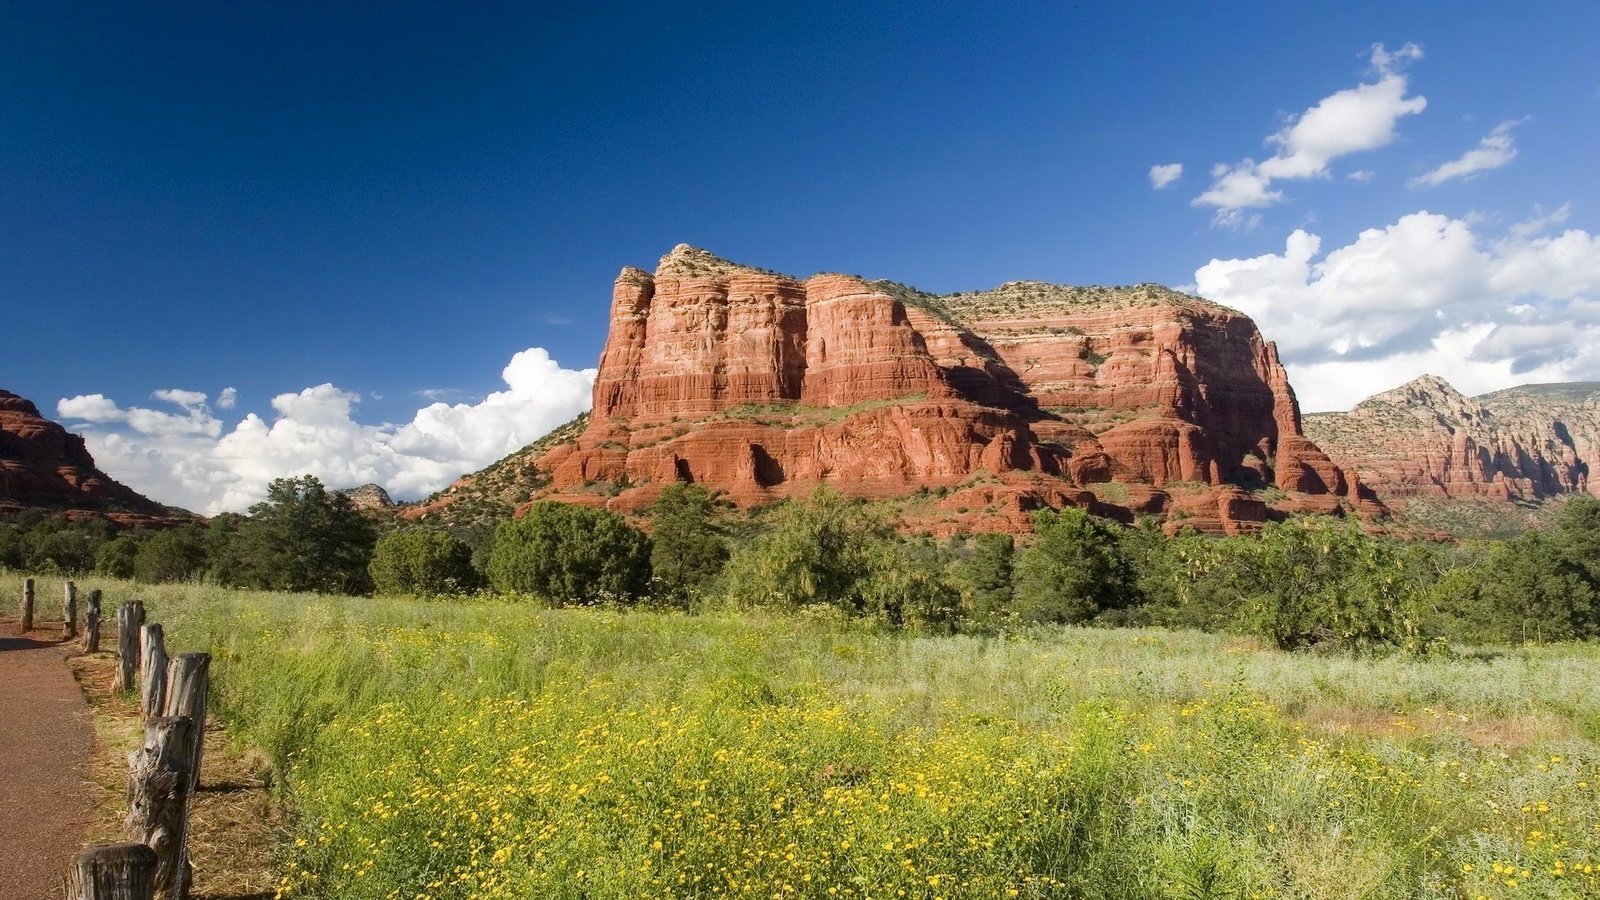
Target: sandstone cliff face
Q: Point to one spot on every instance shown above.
(44, 467)
(1426, 439)
(766, 386)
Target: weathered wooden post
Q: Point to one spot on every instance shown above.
(69, 611)
(188, 681)
(158, 801)
(152, 671)
(27, 605)
(130, 619)
(116, 872)
(91, 623)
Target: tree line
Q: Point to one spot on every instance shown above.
(1309, 582)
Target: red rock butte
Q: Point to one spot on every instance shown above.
(44, 467)
(981, 406)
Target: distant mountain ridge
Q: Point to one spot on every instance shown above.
(990, 404)
(1426, 439)
(46, 468)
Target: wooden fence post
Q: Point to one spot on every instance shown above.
(153, 671)
(158, 801)
(130, 619)
(91, 623)
(116, 872)
(69, 611)
(188, 682)
(27, 605)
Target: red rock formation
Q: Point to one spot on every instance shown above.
(766, 386)
(1426, 439)
(44, 467)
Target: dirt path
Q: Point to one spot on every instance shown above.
(46, 735)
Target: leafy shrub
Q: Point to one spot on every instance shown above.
(569, 554)
(687, 548)
(832, 551)
(115, 557)
(176, 554)
(423, 561)
(1073, 570)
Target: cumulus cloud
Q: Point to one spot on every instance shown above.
(1352, 120)
(1428, 293)
(195, 417)
(228, 398)
(189, 461)
(1164, 175)
(1495, 150)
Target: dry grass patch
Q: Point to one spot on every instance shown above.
(234, 820)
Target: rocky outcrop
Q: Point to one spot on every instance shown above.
(43, 467)
(765, 386)
(369, 497)
(1426, 439)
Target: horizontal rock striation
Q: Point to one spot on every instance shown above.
(44, 467)
(765, 386)
(1426, 439)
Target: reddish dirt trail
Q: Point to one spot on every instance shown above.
(46, 734)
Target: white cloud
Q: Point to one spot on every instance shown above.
(1428, 293)
(1495, 150)
(89, 408)
(1164, 175)
(228, 398)
(1541, 220)
(188, 461)
(196, 417)
(1352, 120)
(1361, 175)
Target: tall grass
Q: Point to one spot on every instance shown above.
(496, 749)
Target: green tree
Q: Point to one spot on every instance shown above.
(11, 547)
(1326, 582)
(303, 537)
(905, 586)
(1073, 571)
(423, 561)
(816, 551)
(686, 541)
(567, 554)
(986, 575)
(58, 545)
(115, 557)
(174, 554)
(1530, 589)
(1577, 532)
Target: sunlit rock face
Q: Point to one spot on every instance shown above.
(1426, 439)
(44, 467)
(1131, 401)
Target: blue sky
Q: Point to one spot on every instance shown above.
(333, 207)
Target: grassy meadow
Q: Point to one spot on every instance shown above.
(497, 749)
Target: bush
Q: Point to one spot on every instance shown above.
(832, 551)
(10, 547)
(55, 545)
(422, 561)
(176, 554)
(1326, 582)
(687, 548)
(569, 554)
(115, 557)
(985, 576)
(1073, 571)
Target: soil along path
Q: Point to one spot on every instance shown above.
(46, 734)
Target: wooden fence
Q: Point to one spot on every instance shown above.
(163, 773)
